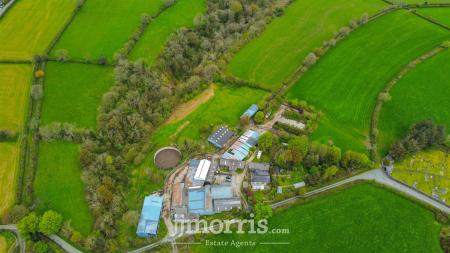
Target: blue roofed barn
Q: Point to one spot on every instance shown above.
(151, 212)
(251, 111)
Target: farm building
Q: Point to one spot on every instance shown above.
(251, 111)
(220, 137)
(260, 175)
(241, 148)
(233, 165)
(222, 205)
(151, 212)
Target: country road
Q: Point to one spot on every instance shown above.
(13, 228)
(380, 177)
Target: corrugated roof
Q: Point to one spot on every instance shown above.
(151, 212)
(221, 191)
(202, 170)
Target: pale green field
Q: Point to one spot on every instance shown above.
(428, 171)
(9, 158)
(272, 57)
(29, 27)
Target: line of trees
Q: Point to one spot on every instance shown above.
(420, 136)
(142, 98)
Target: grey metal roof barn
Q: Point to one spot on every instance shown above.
(220, 137)
(259, 166)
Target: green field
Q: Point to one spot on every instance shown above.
(345, 83)
(440, 14)
(29, 26)
(152, 42)
(73, 92)
(362, 218)
(422, 94)
(9, 163)
(58, 185)
(272, 57)
(427, 171)
(225, 107)
(103, 26)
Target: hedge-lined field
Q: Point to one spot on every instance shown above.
(101, 27)
(272, 57)
(345, 83)
(422, 94)
(58, 185)
(440, 14)
(14, 91)
(9, 163)
(362, 218)
(152, 42)
(29, 26)
(15, 81)
(73, 92)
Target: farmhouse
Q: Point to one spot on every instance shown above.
(260, 176)
(251, 111)
(241, 148)
(220, 137)
(151, 212)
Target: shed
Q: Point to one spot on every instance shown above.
(150, 215)
(220, 137)
(251, 111)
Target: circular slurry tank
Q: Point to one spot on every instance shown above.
(167, 158)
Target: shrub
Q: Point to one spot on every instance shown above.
(40, 247)
(7, 135)
(259, 117)
(50, 223)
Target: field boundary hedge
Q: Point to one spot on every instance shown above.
(431, 20)
(384, 96)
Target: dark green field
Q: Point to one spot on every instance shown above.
(73, 93)
(422, 94)
(440, 14)
(345, 83)
(103, 26)
(362, 218)
(152, 42)
(58, 185)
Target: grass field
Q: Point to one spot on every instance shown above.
(422, 94)
(7, 239)
(362, 218)
(15, 83)
(3, 245)
(9, 163)
(74, 92)
(29, 26)
(440, 14)
(181, 14)
(225, 107)
(377, 51)
(103, 26)
(428, 172)
(14, 92)
(58, 185)
(272, 57)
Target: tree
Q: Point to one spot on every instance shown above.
(40, 247)
(333, 156)
(298, 148)
(50, 223)
(353, 160)
(29, 224)
(262, 211)
(236, 7)
(330, 172)
(245, 120)
(259, 117)
(310, 60)
(39, 73)
(36, 91)
(265, 141)
(62, 55)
